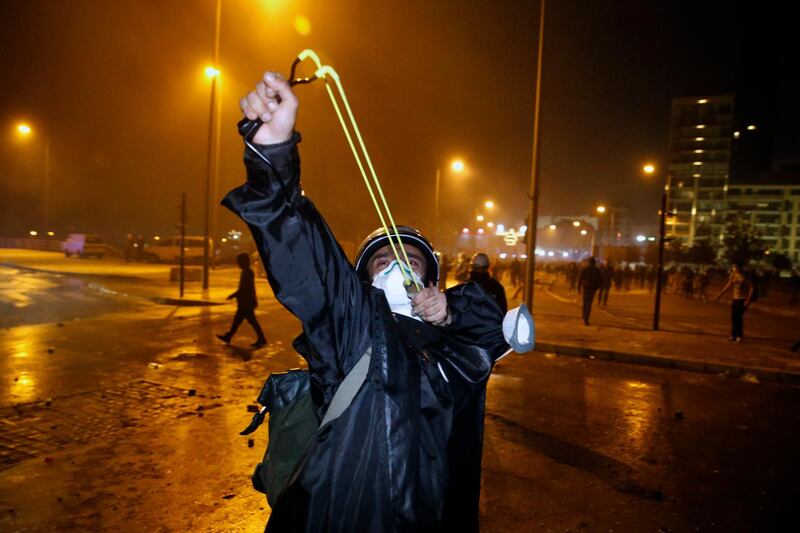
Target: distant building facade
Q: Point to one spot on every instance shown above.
(719, 169)
(774, 210)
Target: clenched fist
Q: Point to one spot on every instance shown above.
(275, 104)
(431, 306)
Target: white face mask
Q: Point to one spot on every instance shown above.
(390, 281)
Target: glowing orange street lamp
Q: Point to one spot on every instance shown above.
(457, 167)
(650, 169)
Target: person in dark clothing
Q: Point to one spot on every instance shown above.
(246, 303)
(479, 273)
(444, 269)
(606, 277)
(405, 456)
(589, 281)
(140, 248)
(129, 248)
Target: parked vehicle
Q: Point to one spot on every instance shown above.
(84, 245)
(168, 250)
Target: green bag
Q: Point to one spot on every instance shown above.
(293, 422)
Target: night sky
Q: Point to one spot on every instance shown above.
(118, 88)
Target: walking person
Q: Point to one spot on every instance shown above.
(741, 295)
(246, 303)
(606, 277)
(589, 281)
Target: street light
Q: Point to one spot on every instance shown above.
(651, 169)
(213, 73)
(25, 130)
(488, 204)
(457, 166)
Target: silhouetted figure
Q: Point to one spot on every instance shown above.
(606, 276)
(444, 269)
(129, 248)
(701, 282)
(479, 273)
(589, 281)
(742, 293)
(462, 268)
(572, 276)
(687, 283)
(140, 248)
(246, 303)
(515, 270)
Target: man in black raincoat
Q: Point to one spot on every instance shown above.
(406, 454)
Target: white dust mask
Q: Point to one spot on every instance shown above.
(390, 281)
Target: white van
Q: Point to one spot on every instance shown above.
(168, 249)
(84, 245)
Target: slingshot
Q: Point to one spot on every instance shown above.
(248, 128)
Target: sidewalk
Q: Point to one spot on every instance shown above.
(560, 330)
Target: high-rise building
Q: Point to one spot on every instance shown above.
(700, 138)
(773, 210)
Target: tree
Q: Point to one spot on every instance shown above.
(702, 252)
(742, 242)
(674, 251)
(780, 261)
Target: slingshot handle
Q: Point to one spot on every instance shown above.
(248, 128)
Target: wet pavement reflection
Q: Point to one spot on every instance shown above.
(126, 417)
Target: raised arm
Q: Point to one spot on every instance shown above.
(307, 269)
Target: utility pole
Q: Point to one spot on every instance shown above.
(183, 241)
(661, 240)
(533, 215)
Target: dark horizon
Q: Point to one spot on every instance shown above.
(121, 95)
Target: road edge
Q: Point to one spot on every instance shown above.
(786, 377)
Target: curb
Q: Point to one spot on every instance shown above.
(183, 302)
(77, 274)
(763, 374)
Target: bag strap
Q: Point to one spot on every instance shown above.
(348, 388)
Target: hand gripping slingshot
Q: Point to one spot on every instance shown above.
(248, 128)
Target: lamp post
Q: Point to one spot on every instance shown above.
(650, 169)
(456, 166)
(25, 130)
(212, 73)
(533, 208)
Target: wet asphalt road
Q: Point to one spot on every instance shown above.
(570, 444)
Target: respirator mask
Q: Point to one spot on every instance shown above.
(392, 282)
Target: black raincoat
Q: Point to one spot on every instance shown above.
(406, 454)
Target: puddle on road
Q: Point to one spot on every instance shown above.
(633, 410)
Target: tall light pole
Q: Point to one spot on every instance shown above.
(213, 73)
(601, 210)
(25, 130)
(533, 215)
(650, 169)
(456, 166)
